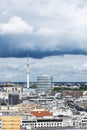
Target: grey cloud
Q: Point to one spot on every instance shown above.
(43, 28)
(62, 68)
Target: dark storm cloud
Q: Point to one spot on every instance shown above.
(12, 47)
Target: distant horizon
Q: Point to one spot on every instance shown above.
(36, 82)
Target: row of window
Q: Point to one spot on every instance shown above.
(45, 124)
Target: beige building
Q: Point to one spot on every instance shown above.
(10, 122)
(16, 89)
(21, 108)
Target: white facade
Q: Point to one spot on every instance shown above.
(80, 121)
(47, 123)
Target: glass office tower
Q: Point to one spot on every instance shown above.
(44, 82)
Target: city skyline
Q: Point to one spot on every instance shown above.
(52, 32)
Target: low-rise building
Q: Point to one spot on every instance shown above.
(41, 113)
(10, 123)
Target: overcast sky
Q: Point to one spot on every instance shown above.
(53, 32)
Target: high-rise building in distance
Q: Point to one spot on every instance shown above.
(13, 98)
(44, 82)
